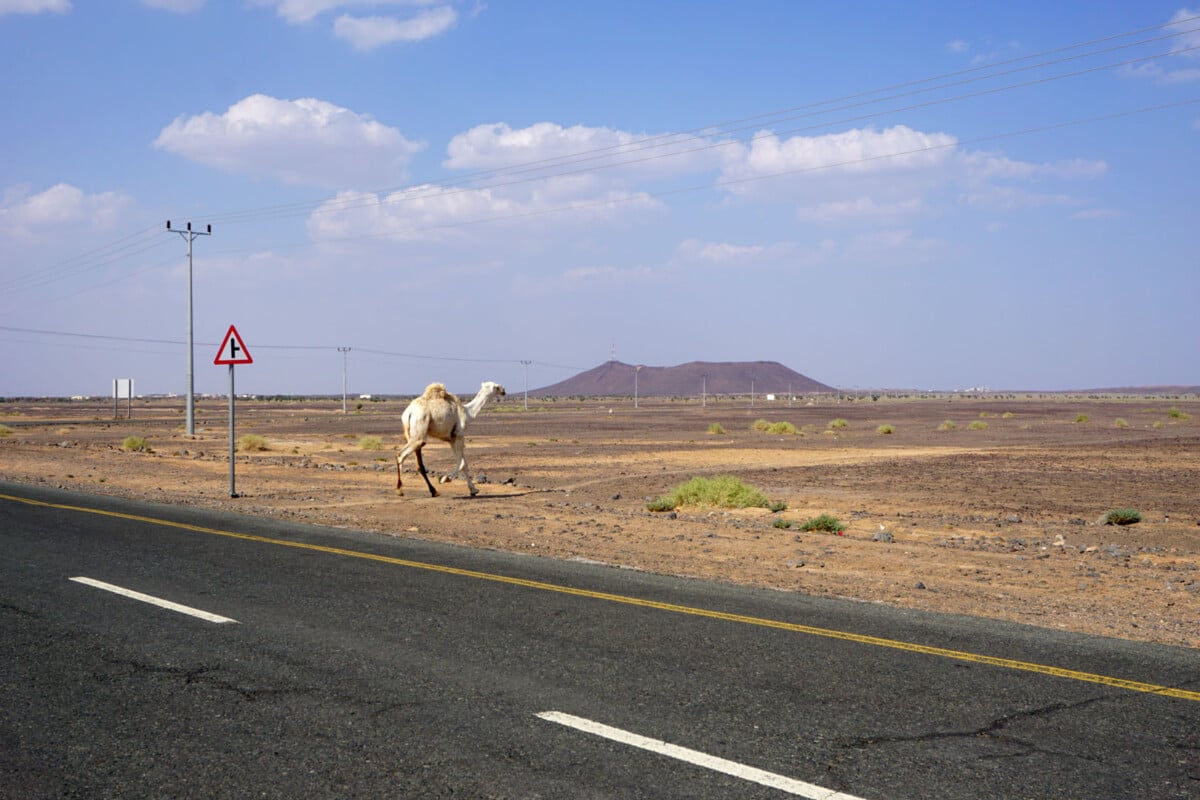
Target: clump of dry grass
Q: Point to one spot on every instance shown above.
(252, 442)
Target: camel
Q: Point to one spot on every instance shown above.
(440, 415)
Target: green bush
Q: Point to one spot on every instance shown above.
(370, 443)
(782, 524)
(5, 431)
(839, 423)
(885, 430)
(1121, 423)
(781, 428)
(136, 444)
(948, 425)
(760, 425)
(722, 491)
(1122, 516)
(716, 428)
(1082, 418)
(824, 522)
(251, 442)
(978, 425)
(1175, 413)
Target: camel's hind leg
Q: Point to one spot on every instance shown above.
(403, 454)
(421, 468)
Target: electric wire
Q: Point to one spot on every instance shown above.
(465, 183)
(557, 166)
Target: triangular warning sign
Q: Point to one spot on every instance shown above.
(233, 349)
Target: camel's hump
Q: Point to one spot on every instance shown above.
(437, 391)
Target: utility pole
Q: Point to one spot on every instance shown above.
(636, 370)
(526, 363)
(190, 236)
(343, 351)
(704, 390)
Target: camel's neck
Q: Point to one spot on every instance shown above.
(477, 403)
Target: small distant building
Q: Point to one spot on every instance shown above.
(364, 397)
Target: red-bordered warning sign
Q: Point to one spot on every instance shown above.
(233, 349)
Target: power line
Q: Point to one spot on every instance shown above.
(329, 348)
(658, 142)
(124, 248)
(662, 140)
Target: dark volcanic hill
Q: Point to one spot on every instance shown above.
(616, 379)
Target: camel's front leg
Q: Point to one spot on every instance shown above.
(459, 446)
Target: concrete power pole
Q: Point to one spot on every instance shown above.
(343, 351)
(526, 363)
(190, 236)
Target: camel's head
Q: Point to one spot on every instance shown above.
(492, 389)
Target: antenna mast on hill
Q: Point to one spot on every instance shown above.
(613, 357)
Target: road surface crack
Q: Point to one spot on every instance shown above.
(996, 729)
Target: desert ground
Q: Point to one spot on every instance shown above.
(997, 514)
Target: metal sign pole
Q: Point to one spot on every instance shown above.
(232, 492)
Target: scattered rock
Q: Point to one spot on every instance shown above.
(884, 536)
(920, 585)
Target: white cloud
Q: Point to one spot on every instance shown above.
(1011, 198)
(25, 214)
(546, 147)
(856, 209)
(717, 253)
(367, 33)
(869, 174)
(892, 247)
(34, 7)
(957, 46)
(988, 166)
(1185, 24)
(858, 151)
(304, 141)
(1169, 72)
(546, 176)
(300, 11)
(607, 276)
(432, 213)
(724, 253)
(177, 6)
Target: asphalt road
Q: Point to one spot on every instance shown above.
(360, 665)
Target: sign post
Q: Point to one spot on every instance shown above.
(233, 351)
(123, 389)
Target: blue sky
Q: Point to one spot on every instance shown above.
(933, 195)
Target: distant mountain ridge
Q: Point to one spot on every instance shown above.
(616, 379)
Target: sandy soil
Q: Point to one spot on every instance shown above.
(1001, 522)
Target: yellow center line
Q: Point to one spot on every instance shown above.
(828, 633)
